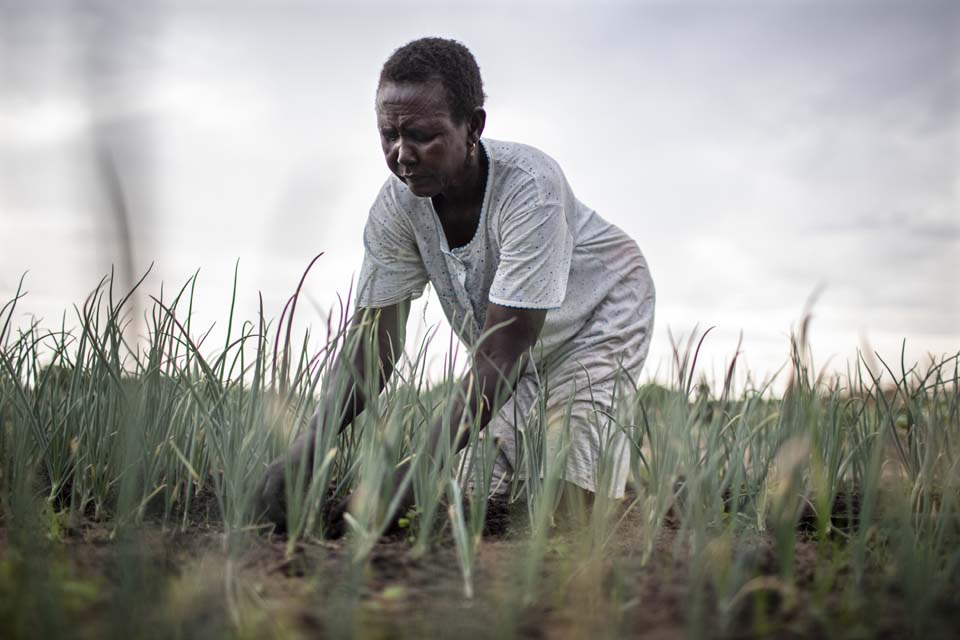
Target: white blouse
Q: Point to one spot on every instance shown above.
(536, 247)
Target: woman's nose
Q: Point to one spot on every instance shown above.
(405, 155)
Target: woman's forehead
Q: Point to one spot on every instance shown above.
(412, 99)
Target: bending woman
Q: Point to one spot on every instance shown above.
(496, 229)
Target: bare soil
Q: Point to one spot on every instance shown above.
(208, 590)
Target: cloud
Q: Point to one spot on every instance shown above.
(755, 150)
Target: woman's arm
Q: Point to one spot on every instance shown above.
(348, 377)
(499, 362)
(343, 395)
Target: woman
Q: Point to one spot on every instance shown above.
(561, 294)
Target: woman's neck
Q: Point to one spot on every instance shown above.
(465, 197)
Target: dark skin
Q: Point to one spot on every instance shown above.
(436, 155)
(433, 154)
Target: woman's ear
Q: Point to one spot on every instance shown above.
(475, 124)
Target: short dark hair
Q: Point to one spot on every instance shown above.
(448, 61)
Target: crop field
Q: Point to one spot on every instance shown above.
(128, 468)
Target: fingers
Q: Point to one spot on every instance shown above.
(271, 497)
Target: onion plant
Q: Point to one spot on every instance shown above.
(97, 423)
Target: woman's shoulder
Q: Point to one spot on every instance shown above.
(521, 156)
(397, 209)
(395, 200)
(517, 164)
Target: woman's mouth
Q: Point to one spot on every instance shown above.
(415, 179)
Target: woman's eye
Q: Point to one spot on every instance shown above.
(414, 136)
(422, 136)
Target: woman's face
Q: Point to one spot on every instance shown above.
(422, 143)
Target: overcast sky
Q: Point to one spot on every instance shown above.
(756, 151)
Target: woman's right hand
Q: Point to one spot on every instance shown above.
(271, 496)
(271, 492)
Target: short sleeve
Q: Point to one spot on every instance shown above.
(536, 246)
(392, 268)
